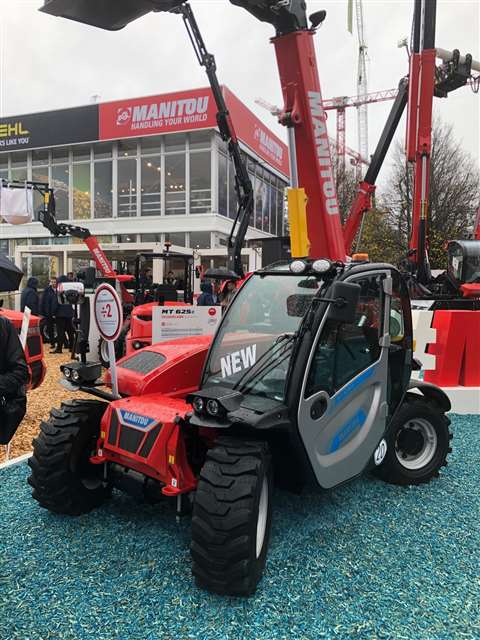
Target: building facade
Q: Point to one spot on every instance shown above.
(145, 170)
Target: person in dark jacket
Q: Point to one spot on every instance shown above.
(13, 366)
(48, 308)
(206, 298)
(64, 323)
(30, 297)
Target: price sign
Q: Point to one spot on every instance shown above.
(108, 312)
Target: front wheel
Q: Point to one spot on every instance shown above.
(232, 517)
(63, 478)
(418, 443)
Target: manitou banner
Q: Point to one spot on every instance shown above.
(167, 113)
(256, 135)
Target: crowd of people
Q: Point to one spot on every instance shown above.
(216, 293)
(56, 317)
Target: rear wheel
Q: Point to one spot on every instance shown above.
(232, 517)
(418, 443)
(63, 478)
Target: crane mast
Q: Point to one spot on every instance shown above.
(362, 85)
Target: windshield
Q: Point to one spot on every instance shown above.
(251, 351)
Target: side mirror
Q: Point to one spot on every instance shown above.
(346, 296)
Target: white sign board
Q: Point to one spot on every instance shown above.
(181, 322)
(27, 314)
(108, 312)
(107, 309)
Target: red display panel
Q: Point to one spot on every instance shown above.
(167, 113)
(256, 135)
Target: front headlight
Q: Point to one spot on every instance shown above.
(75, 375)
(213, 407)
(298, 266)
(321, 266)
(198, 405)
(67, 373)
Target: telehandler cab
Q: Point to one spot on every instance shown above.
(310, 385)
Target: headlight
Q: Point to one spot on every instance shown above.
(198, 405)
(67, 373)
(213, 407)
(75, 376)
(298, 266)
(321, 266)
(137, 345)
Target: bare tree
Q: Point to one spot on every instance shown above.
(453, 199)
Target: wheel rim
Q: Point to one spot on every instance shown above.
(262, 517)
(416, 444)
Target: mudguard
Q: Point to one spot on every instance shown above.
(431, 392)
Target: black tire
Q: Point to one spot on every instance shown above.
(418, 443)
(63, 479)
(225, 518)
(119, 350)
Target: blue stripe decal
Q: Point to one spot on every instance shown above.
(346, 391)
(346, 430)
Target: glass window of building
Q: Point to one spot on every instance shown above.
(176, 238)
(200, 182)
(150, 237)
(251, 220)
(272, 194)
(127, 237)
(127, 188)
(222, 185)
(81, 191)
(81, 152)
(19, 166)
(105, 239)
(151, 186)
(175, 184)
(60, 155)
(39, 174)
(200, 139)
(151, 145)
(4, 247)
(4, 165)
(60, 180)
(40, 157)
(175, 142)
(102, 195)
(200, 240)
(127, 148)
(102, 150)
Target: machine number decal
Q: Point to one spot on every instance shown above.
(380, 452)
(238, 360)
(346, 430)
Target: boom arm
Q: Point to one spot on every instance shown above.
(243, 185)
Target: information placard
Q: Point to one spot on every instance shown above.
(182, 321)
(108, 312)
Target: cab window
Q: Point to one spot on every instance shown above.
(344, 350)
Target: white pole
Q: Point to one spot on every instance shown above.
(113, 367)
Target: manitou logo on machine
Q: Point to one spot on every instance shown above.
(101, 260)
(168, 113)
(238, 360)
(124, 115)
(323, 152)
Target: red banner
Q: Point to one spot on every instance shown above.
(256, 135)
(167, 113)
(185, 111)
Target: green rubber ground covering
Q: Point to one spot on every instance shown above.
(367, 560)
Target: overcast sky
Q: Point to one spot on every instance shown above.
(50, 63)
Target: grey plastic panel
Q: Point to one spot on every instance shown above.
(341, 442)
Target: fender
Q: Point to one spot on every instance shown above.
(431, 392)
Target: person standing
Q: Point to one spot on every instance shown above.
(206, 299)
(64, 323)
(13, 378)
(48, 307)
(30, 297)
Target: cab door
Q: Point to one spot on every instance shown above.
(343, 408)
